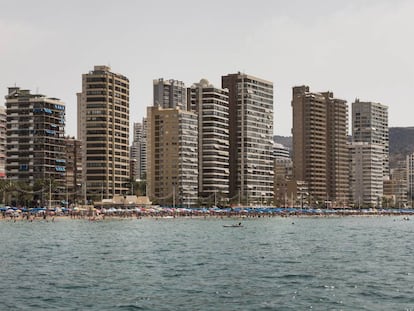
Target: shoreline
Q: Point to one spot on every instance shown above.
(220, 216)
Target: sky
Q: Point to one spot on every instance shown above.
(356, 48)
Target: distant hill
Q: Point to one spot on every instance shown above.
(401, 142)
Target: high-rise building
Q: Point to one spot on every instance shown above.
(103, 128)
(370, 125)
(139, 150)
(170, 94)
(251, 138)
(3, 132)
(369, 134)
(320, 151)
(73, 170)
(35, 140)
(172, 158)
(212, 107)
(366, 174)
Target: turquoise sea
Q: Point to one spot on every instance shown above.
(349, 263)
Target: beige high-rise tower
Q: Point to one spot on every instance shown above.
(172, 159)
(320, 152)
(103, 128)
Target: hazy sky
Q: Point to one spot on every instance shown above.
(355, 48)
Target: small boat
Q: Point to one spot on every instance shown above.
(239, 225)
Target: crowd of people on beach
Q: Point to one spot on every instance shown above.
(96, 214)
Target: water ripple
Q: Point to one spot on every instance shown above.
(320, 264)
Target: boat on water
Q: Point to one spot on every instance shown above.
(239, 225)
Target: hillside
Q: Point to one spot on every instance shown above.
(401, 140)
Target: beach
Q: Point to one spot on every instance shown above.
(171, 213)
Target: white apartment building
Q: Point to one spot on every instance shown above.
(366, 172)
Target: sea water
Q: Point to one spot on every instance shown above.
(349, 263)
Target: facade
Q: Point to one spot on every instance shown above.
(298, 194)
(139, 150)
(338, 151)
(396, 188)
(370, 134)
(251, 138)
(399, 182)
(280, 151)
(3, 132)
(103, 128)
(172, 166)
(73, 170)
(35, 140)
(366, 171)
(283, 173)
(410, 178)
(212, 107)
(370, 125)
(320, 151)
(170, 94)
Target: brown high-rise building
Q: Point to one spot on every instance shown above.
(251, 138)
(103, 128)
(320, 152)
(338, 151)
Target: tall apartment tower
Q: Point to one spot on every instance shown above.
(3, 137)
(172, 166)
(370, 125)
(251, 138)
(139, 149)
(370, 132)
(170, 94)
(212, 107)
(320, 151)
(103, 128)
(366, 174)
(35, 138)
